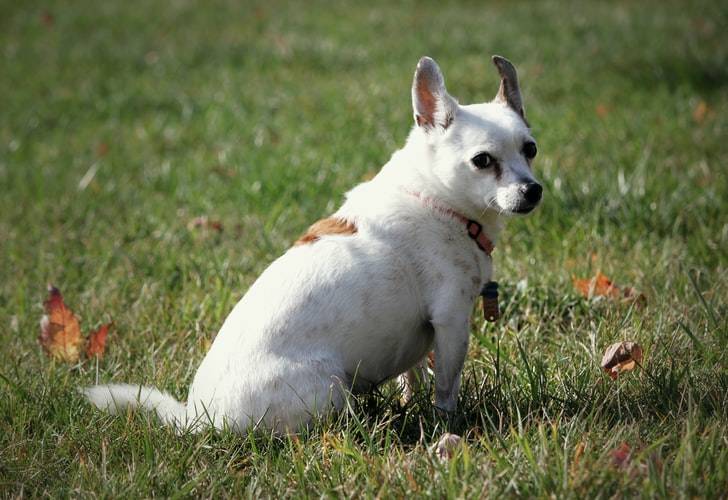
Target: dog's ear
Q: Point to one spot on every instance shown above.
(509, 92)
(433, 106)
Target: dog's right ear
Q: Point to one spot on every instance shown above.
(433, 106)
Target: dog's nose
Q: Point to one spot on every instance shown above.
(532, 192)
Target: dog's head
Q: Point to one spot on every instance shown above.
(480, 153)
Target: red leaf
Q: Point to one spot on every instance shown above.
(601, 286)
(621, 455)
(60, 333)
(96, 341)
(621, 357)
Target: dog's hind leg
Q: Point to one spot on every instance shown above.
(413, 380)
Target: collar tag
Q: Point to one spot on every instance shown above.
(489, 293)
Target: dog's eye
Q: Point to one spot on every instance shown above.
(529, 150)
(483, 160)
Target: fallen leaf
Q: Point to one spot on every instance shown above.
(578, 453)
(602, 110)
(446, 446)
(47, 19)
(204, 222)
(228, 173)
(620, 357)
(601, 286)
(60, 333)
(102, 150)
(621, 455)
(96, 341)
(701, 111)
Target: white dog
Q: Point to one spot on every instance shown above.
(365, 294)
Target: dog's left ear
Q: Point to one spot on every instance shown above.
(433, 106)
(509, 92)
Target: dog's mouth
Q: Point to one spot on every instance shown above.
(524, 209)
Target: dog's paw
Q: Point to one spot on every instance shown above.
(446, 447)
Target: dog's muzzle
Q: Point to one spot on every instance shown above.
(531, 194)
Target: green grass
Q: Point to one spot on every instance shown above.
(262, 116)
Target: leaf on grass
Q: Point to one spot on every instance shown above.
(601, 286)
(47, 19)
(447, 446)
(96, 341)
(578, 453)
(621, 357)
(204, 222)
(621, 455)
(602, 110)
(102, 149)
(227, 173)
(60, 332)
(701, 111)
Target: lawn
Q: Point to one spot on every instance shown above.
(120, 122)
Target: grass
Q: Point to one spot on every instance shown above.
(122, 121)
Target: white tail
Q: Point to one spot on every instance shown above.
(116, 397)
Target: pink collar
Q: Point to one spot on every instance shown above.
(473, 228)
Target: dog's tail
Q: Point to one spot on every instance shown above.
(118, 397)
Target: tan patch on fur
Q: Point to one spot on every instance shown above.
(328, 226)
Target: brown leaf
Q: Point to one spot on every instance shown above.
(602, 110)
(60, 333)
(227, 173)
(621, 455)
(578, 453)
(204, 222)
(96, 341)
(446, 446)
(47, 19)
(620, 357)
(102, 149)
(601, 286)
(701, 111)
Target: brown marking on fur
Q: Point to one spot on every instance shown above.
(324, 227)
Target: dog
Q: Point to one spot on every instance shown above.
(365, 294)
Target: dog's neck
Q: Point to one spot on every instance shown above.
(410, 169)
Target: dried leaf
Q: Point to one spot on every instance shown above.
(601, 286)
(446, 446)
(602, 110)
(621, 455)
(96, 341)
(204, 222)
(60, 333)
(47, 19)
(701, 111)
(620, 357)
(102, 149)
(227, 173)
(578, 453)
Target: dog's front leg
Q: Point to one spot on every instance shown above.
(451, 347)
